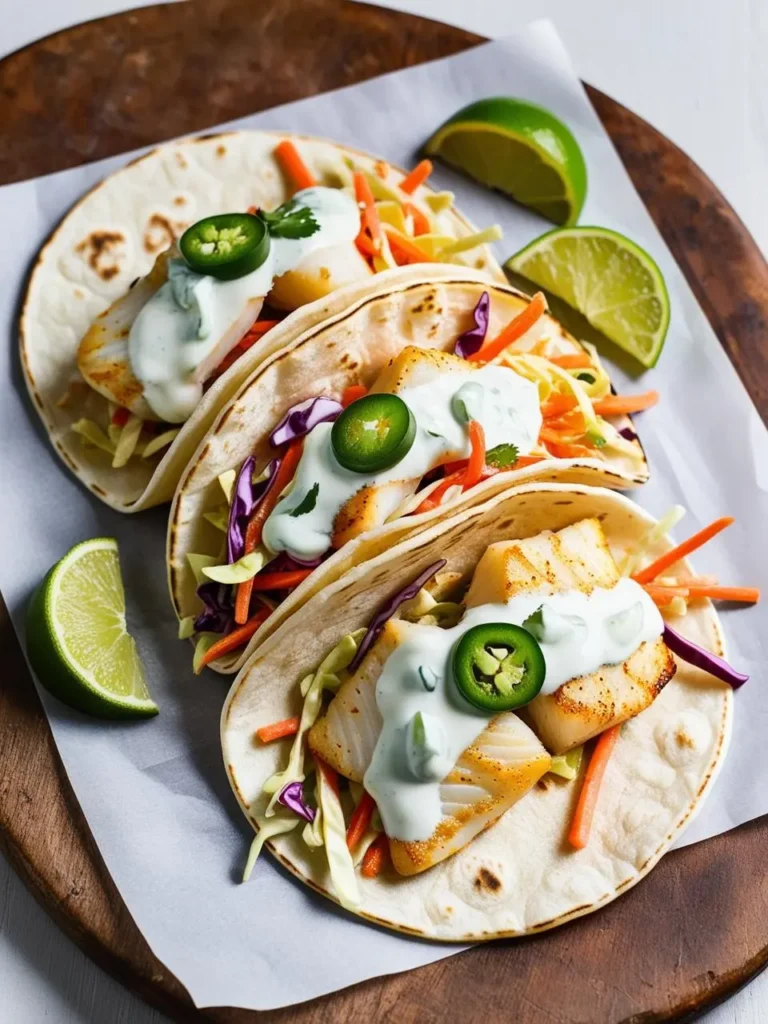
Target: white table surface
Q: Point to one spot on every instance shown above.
(695, 70)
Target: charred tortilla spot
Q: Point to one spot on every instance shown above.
(160, 233)
(179, 201)
(221, 150)
(100, 249)
(486, 880)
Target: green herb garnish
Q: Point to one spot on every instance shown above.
(291, 220)
(503, 456)
(307, 503)
(588, 378)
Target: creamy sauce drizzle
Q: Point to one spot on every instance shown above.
(581, 633)
(503, 402)
(189, 315)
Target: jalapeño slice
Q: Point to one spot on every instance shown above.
(227, 245)
(498, 667)
(373, 434)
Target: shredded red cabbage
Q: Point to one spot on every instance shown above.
(701, 658)
(302, 418)
(217, 613)
(390, 608)
(245, 496)
(471, 341)
(628, 434)
(292, 797)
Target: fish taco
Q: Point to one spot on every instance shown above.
(430, 391)
(166, 285)
(499, 724)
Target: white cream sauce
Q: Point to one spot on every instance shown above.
(581, 633)
(184, 321)
(504, 403)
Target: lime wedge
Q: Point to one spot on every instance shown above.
(611, 281)
(77, 641)
(519, 148)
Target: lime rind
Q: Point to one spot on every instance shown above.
(77, 640)
(614, 283)
(520, 149)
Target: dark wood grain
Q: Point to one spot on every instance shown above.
(697, 928)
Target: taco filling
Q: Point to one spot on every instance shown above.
(432, 426)
(452, 704)
(231, 278)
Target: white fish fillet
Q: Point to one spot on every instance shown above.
(502, 764)
(576, 557)
(371, 506)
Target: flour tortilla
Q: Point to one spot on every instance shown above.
(519, 876)
(113, 235)
(425, 307)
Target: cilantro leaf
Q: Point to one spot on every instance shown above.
(503, 456)
(307, 503)
(291, 220)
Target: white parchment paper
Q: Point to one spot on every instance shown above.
(155, 794)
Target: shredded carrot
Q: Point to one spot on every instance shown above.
(404, 250)
(255, 333)
(572, 421)
(563, 450)
(417, 177)
(515, 329)
(352, 393)
(549, 435)
(292, 164)
(474, 471)
(375, 857)
(650, 572)
(381, 168)
(365, 245)
(360, 820)
(558, 405)
(252, 209)
(663, 596)
(421, 225)
(369, 214)
(120, 417)
(329, 774)
(237, 638)
(746, 595)
(578, 834)
(256, 524)
(434, 498)
(618, 405)
(571, 361)
(278, 730)
(528, 460)
(280, 580)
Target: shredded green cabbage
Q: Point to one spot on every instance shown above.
(186, 627)
(267, 829)
(335, 835)
(567, 765)
(157, 444)
(243, 569)
(459, 245)
(636, 553)
(439, 202)
(327, 677)
(218, 519)
(199, 562)
(129, 439)
(93, 434)
(227, 482)
(203, 644)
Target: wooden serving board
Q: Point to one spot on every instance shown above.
(697, 928)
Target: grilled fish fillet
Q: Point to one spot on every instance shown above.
(576, 557)
(320, 273)
(103, 357)
(371, 506)
(500, 766)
